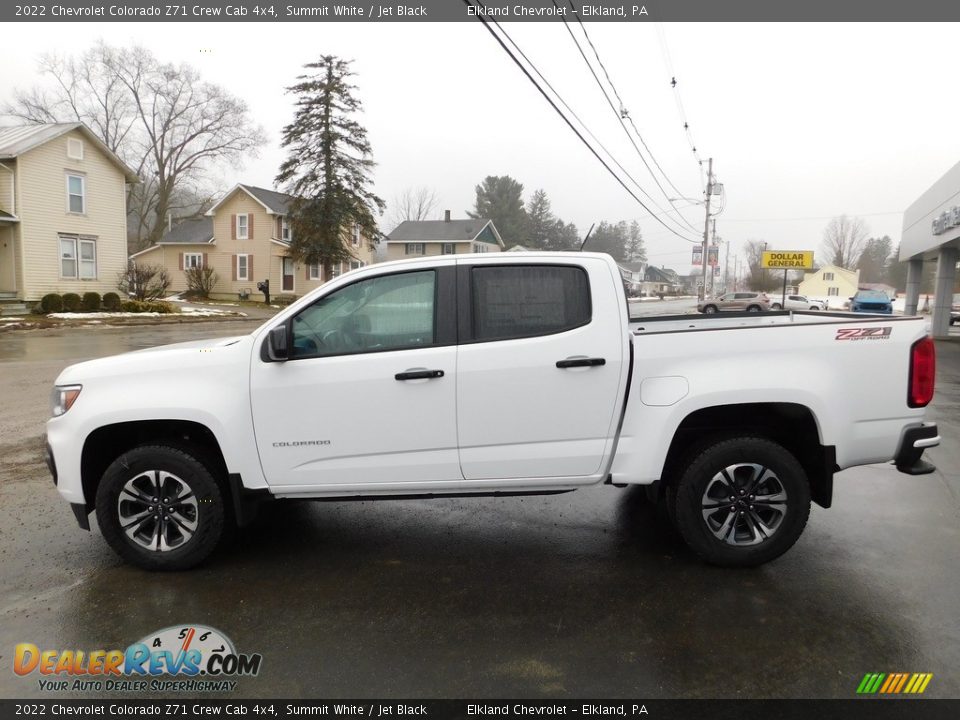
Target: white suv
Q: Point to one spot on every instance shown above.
(796, 302)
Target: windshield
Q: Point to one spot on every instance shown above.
(872, 295)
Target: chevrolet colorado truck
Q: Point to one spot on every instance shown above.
(505, 374)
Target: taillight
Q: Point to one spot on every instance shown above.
(923, 369)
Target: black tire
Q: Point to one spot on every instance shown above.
(706, 477)
(815, 307)
(775, 306)
(754, 308)
(709, 309)
(192, 520)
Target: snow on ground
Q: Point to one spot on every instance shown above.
(191, 311)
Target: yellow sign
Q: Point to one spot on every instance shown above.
(787, 259)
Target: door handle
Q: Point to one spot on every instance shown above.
(581, 362)
(418, 375)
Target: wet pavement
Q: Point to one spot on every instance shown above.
(580, 595)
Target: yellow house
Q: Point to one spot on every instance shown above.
(831, 283)
(63, 212)
(246, 239)
(412, 238)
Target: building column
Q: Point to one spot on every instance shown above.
(943, 293)
(914, 273)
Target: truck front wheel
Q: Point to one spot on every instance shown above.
(742, 501)
(160, 508)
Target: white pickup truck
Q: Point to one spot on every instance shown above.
(501, 374)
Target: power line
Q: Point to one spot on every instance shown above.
(618, 113)
(668, 61)
(623, 112)
(587, 129)
(556, 109)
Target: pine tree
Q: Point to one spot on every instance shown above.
(635, 250)
(499, 199)
(541, 224)
(328, 166)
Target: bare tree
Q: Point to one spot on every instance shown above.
(162, 119)
(417, 203)
(844, 240)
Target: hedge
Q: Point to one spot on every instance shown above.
(111, 302)
(91, 302)
(51, 302)
(72, 302)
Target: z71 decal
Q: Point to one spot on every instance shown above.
(871, 333)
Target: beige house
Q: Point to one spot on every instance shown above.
(246, 239)
(63, 220)
(442, 237)
(833, 284)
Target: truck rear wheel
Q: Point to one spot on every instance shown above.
(160, 508)
(742, 501)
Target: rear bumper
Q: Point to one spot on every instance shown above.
(915, 440)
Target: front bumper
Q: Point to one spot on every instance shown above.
(915, 440)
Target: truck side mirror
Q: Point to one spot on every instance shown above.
(278, 343)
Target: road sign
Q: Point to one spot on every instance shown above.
(787, 259)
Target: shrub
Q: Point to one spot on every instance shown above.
(72, 302)
(144, 282)
(111, 302)
(201, 281)
(91, 301)
(51, 302)
(142, 306)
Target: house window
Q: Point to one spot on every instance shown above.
(828, 276)
(356, 264)
(243, 227)
(74, 149)
(192, 260)
(78, 257)
(336, 269)
(285, 230)
(448, 249)
(243, 265)
(355, 236)
(479, 248)
(833, 292)
(414, 249)
(76, 194)
(314, 271)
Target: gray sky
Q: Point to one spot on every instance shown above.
(804, 121)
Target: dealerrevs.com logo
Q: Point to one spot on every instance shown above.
(181, 658)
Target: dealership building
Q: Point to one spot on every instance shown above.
(931, 233)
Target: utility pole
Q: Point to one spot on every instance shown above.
(726, 266)
(706, 227)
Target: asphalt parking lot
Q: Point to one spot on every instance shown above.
(580, 595)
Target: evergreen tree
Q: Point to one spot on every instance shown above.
(541, 224)
(635, 250)
(565, 237)
(499, 198)
(328, 166)
(611, 239)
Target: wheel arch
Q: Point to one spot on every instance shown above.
(792, 425)
(108, 442)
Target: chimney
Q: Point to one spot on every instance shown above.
(446, 216)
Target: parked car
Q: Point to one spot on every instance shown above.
(797, 302)
(749, 301)
(955, 309)
(497, 374)
(871, 301)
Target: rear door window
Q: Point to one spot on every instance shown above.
(525, 301)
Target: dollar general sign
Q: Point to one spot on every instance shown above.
(787, 260)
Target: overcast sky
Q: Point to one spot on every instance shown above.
(804, 122)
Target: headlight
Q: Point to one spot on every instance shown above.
(63, 398)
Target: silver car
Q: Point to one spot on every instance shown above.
(736, 301)
(796, 302)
